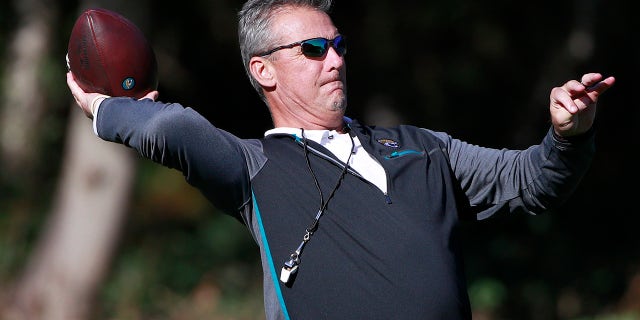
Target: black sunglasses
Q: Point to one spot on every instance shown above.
(314, 48)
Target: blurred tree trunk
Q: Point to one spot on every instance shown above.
(74, 252)
(72, 256)
(23, 104)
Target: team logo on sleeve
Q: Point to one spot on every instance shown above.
(389, 143)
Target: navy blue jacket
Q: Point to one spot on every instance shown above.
(374, 255)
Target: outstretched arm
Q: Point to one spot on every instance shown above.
(540, 177)
(211, 159)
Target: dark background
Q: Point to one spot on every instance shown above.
(481, 71)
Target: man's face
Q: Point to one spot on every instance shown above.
(312, 87)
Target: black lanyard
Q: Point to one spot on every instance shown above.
(290, 268)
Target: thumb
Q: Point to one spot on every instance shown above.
(153, 95)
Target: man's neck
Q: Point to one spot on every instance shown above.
(340, 126)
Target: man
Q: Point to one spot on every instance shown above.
(352, 221)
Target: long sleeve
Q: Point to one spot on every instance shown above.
(211, 159)
(535, 180)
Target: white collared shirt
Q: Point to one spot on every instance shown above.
(340, 145)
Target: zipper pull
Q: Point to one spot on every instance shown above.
(387, 199)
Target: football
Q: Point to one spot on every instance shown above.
(109, 54)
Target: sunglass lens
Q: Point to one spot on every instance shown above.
(314, 47)
(340, 45)
(318, 47)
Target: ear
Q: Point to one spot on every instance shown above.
(262, 70)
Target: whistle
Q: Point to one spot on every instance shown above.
(287, 272)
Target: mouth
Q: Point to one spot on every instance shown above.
(335, 87)
(334, 84)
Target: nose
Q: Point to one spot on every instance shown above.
(334, 59)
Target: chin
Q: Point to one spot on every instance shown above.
(339, 104)
(339, 101)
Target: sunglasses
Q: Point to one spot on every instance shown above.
(315, 47)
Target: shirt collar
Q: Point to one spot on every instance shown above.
(318, 136)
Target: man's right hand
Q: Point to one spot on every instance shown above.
(88, 101)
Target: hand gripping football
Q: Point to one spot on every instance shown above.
(108, 54)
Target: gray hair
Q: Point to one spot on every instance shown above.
(254, 23)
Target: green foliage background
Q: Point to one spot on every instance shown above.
(481, 71)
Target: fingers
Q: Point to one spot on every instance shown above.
(76, 91)
(153, 95)
(86, 101)
(573, 105)
(575, 96)
(562, 97)
(594, 85)
(590, 79)
(599, 86)
(73, 85)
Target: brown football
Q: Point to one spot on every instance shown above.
(109, 54)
